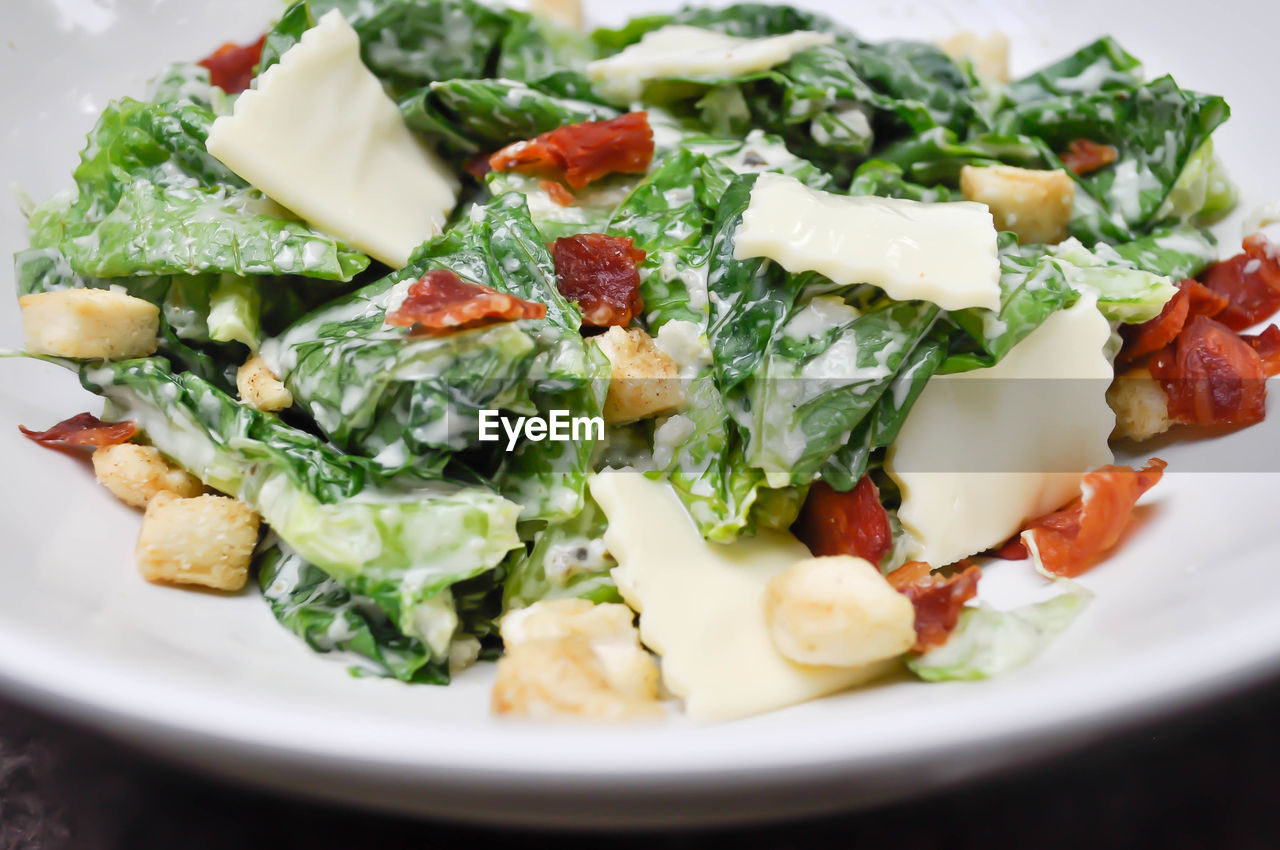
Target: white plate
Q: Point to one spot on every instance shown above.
(1188, 607)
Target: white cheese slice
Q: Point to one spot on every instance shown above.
(944, 253)
(701, 604)
(982, 452)
(320, 137)
(680, 51)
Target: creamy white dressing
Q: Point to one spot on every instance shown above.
(686, 344)
(681, 51)
(823, 313)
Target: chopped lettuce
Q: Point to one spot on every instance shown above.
(151, 200)
(402, 541)
(987, 642)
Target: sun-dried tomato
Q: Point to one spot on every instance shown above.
(1211, 376)
(852, 523)
(83, 429)
(231, 66)
(1250, 282)
(441, 302)
(1069, 541)
(1267, 344)
(478, 166)
(937, 599)
(1012, 549)
(583, 153)
(1155, 334)
(1192, 299)
(557, 192)
(600, 273)
(1084, 156)
(1203, 300)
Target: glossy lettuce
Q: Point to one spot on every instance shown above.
(402, 541)
(987, 641)
(150, 200)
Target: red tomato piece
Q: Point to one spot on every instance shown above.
(938, 599)
(1155, 334)
(1267, 344)
(1212, 376)
(600, 273)
(1250, 282)
(1084, 156)
(1069, 541)
(478, 166)
(558, 193)
(1012, 549)
(1192, 299)
(231, 66)
(83, 429)
(583, 153)
(440, 301)
(852, 523)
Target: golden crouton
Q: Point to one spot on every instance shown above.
(566, 13)
(554, 678)
(1036, 205)
(989, 56)
(608, 629)
(260, 388)
(89, 324)
(207, 541)
(838, 612)
(1140, 405)
(643, 381)
(135, 474)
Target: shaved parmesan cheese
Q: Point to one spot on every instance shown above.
(982, 452)
(320, 137)
(679, 51)
(702, 605)
(944, 253)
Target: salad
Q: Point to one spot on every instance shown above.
(696, 363)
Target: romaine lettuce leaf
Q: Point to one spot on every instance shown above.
(987, 642)
(382, 392)
(151, 200)
(1102, 65)
(402, 541)
(469, 117)
(1155, 127)
(566, 559)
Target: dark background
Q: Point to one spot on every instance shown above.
(1204, 779)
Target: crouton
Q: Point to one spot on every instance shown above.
(1140, 405)
(838, 612)
(643, 380)
(89, 324)
(989, 56)
(556, 678)
(135, 474)
(608, 629)
(260, 388)
(1036, 205)
(206, 541)
(566, 13)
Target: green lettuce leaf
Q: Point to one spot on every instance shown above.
(566, 559)
(402, 541)
(987, 642)
(469, 117)
(151, 200)
(1156, 128)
